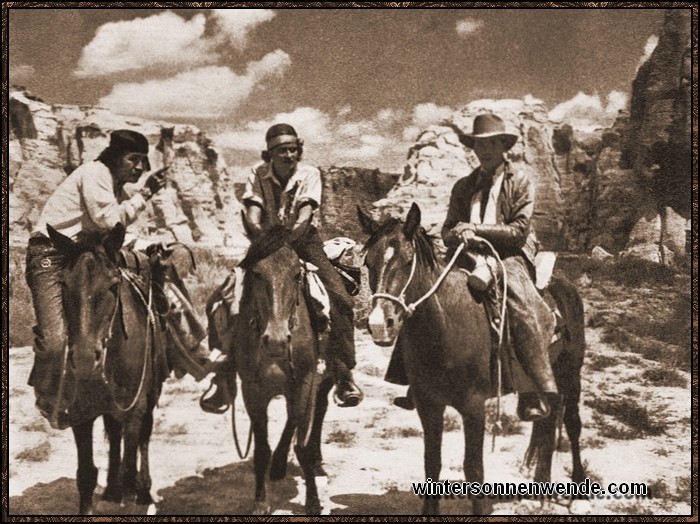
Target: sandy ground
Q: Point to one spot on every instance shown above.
(372, 453)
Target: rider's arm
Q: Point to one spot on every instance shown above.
(455, 215)
(97, 193)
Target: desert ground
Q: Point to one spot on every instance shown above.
(373, 452)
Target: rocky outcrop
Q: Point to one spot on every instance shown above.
(658, 144)
(345, 188)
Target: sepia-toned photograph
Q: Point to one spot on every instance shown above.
(369, 259)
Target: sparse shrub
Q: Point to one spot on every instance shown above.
(39, 453)
(600, 362)
(343, 437)
(626, 410)
(593, 443)
(665, 376)
(452, 422)
(408, 432)
(510, 424)
(35, 425)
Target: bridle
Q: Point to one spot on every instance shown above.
(409, 309)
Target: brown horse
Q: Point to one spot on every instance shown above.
(114, 361)
(447, 346)
(277, 353)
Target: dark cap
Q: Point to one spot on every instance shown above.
(128, 140)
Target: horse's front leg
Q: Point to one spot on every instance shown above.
(431, 417)
(113, 492)
(319, 416)
(473, 418)
(143, 478)
(304, 408)
(261, 455)
(278, 468)
(132, 432)
(87, 472)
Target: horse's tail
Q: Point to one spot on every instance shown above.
(567, 373)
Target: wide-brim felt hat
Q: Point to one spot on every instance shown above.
(488, 125)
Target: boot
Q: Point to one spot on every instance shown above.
(220, 400)
(533, 407)
(45, 377)
(224, 391)
(347, 393)
(406, 402)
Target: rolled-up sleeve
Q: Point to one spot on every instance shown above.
(310, 188)
(253, 193)
(102, 205)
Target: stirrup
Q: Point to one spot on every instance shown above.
(205, 402)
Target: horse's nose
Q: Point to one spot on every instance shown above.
(380, 326)
(276, 345)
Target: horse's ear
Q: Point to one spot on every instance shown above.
(62, 243)
(369, 225)
(114, 240)
(412, 221)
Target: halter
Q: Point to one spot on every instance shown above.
(400, 300)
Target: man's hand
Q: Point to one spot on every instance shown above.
(465, 232)
(155, 181)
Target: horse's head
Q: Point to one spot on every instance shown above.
(393, 254)
(91, 278)
(272, 290)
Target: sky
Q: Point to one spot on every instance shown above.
(359, 85)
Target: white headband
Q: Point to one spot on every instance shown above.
(281, 139)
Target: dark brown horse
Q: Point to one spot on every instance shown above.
(277, 353)
(115, 363)
(447, 346)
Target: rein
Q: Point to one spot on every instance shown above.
(410, 308)
(150, 323)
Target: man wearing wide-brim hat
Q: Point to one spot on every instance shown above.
(496, 203)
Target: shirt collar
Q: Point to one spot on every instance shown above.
(269, 174)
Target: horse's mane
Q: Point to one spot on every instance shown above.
(424, 243)
(262, 247)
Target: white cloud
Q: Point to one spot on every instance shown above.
(468, 26)
(21, 73)
(649, 47)
(205, 92)
(428, 114)
(331, 139)
(167, 40)
(236, 24)
(588, 112)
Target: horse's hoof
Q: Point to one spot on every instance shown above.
(151, 509)
(261, 508)
(112, 495)
(314, 508)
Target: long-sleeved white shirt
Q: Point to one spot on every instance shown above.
(87, 201)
